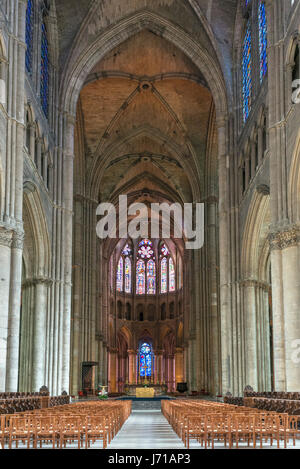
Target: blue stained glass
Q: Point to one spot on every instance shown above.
(145, 249)
(263, 40)
(127, 275)
(151, 276)
(29, 35)
(145, 360)
(140, 277)
(164, 250)
(120, 275)
(127, 250)
(44, 71)
(163, 276)
(171, 275)
(247, 73)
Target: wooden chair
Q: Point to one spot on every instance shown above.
(95, 429)
(45, 430)
(4, 429)
(196, 429)
(20, 429)
(70, 430)
(242, 428)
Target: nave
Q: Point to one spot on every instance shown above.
(179, 424)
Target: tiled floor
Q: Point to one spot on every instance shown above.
(148, 429)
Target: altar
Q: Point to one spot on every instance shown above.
(144, 392)
(140, 390)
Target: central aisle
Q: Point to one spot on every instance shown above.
(146, 429)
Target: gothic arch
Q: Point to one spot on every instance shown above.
(37, 251)
(255, 238)
(294, 184)
(74, 76)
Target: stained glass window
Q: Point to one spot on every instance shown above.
(145, 360)
(127, 250)
(262, 22)
(164, 275)
(127, 275)
(145, 249)
(151, 277)
(140, 277)
(164, 250)
(44, 92)
(247, 73)
(29, 35)
(171, 275)
(120, 275)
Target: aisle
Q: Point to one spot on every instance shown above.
(146, 429)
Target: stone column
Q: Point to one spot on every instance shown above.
(5, 263)
(178, 365)
(278, 320)
(69, 122)
(39, 334)
(112, 376)
(250, 325)
(225, 266)
(132, 366)
(291, 301)
(13, 339)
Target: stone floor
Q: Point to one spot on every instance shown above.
(148, 429)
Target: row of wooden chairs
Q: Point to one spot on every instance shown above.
(207, 422)
(80, 423)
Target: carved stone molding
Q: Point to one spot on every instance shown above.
(285, 239)
(5, 237)
(18, 241)
(255, 283)
(263, 189)
(37, 281)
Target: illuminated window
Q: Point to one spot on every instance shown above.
(29, 35)
(44, 92)
(145, 250)
(140, 277)
(247, 73)
(262, 22)
(171, 275)
(120, 275)
(145, 360)
(164, 275)
(151, 277)
(127, 275)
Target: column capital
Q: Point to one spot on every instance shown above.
(285, 238)
(38, 281)
(252, 283)
(18, 240)
(5, 237)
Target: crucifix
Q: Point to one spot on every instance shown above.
(144, 368)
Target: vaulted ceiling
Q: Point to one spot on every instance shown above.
(145, 114)
(218, 15)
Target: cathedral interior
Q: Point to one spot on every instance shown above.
(164, 101)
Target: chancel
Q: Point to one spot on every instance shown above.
(172, 103)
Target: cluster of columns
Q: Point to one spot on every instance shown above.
(11, 227)
(285, 230)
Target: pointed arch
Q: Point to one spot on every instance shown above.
(75, 75)
(37, 251)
